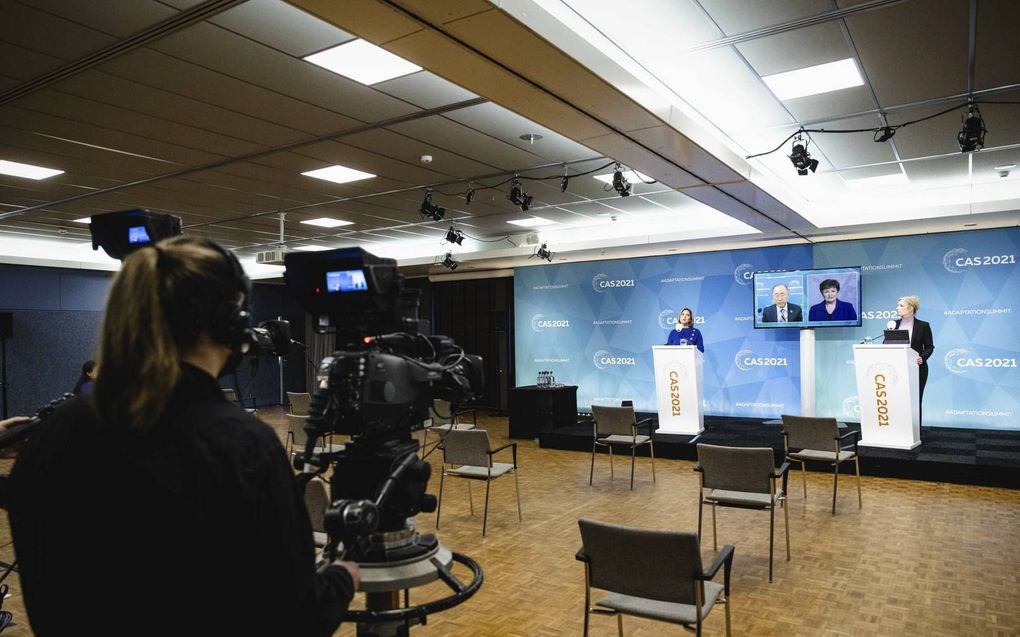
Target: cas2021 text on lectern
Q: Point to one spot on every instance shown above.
(887, 388)
(679, 389)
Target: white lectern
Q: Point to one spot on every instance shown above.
(679, 388)
(887, 387)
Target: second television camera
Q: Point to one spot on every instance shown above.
(378, 388)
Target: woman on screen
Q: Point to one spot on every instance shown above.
(831, 308)
(685, 332)
(921, 340)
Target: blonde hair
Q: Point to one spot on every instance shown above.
(912, 301)
(160, 302)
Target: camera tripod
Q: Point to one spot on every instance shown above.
(382, 582)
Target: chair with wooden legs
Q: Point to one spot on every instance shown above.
(618, 426)
(466, 454)
(819, 439)
(651, 574)
(744, 478)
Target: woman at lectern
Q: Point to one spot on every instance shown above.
(154, 489)
(921, 340)
(685, 333)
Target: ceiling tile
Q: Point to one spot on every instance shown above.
(740, 16)
(281, 26)
(913, 51)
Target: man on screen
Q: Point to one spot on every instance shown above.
(831, 308)
(781, 310)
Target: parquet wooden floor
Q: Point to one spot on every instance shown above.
(920, 558)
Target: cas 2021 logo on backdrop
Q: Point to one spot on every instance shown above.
(745, 360)
(959, 260)
(601, 283)
(604, 359)
(539, 323)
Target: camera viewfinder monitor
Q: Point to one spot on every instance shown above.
(346, 281)
(138, 234)
(829, 297)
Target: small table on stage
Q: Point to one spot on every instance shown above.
(534, 408)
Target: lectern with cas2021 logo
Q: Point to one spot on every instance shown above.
(679, 388)
(887, 388)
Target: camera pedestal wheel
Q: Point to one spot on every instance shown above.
(383, 581)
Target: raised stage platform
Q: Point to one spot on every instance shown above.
(961, 456)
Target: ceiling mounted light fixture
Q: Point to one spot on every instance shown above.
(28, 171)
(813, 80)
(470, 196)
(620, 183)
(801, 158)
(363, 62)
(884, 134)
(972, 132)
(338, 174)
(455, 236)
(449, 261)
(544, 253)
(517, 195)
(327, 222)
(431, 210)
(564, 184)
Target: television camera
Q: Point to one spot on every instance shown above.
(121, 233)
(378, 387)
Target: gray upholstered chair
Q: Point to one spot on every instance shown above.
(744, 478)
(299, 402)
(651, 574)
(819, 439)
(466, 454)
(317, 501)
(618, 426)
(231, 396)
(297, 437)
(444, 419)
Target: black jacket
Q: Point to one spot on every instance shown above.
(921, 339)
(193, 526)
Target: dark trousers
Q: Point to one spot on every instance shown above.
(922, 378)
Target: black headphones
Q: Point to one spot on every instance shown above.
(230, 321)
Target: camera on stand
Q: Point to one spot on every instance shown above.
(378, 388)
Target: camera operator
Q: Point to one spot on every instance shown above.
(154, 506)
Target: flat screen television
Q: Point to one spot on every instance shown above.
(828, 297)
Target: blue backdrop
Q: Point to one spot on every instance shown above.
(968, 283)
(593, 324)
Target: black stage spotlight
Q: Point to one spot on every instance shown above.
(544, 253)
(801, 159)
(972, 133)
(429, 209)
(517, 195)
(470, 196)
(564, 183)
(449, 262)
(620, 183)
(884, 134)
(455, 236)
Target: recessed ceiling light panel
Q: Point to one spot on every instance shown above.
(532, 222)
(363, 62)
(312, 248)
(327, 222)
(338, 174)
(84, 220)
(28, 171)
(813, 80)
